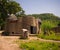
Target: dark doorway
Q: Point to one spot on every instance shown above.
(33, 29)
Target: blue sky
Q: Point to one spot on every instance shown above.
(40, 6)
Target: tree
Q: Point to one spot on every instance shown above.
(20, 14)
(8, 7)
(13, 7)
(46, 26)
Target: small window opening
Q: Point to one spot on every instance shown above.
(12, 32)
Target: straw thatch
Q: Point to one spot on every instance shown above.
(12, 17)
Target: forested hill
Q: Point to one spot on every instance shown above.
(46, 16)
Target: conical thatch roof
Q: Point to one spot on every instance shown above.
(12, 17)
(39, 20)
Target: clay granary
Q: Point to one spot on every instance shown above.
(15, 25)
(56, 30)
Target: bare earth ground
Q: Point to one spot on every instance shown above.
(7, 42)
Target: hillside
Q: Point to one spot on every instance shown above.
(46, 16)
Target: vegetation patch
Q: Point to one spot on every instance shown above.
(51, 35)
(46, 32)
(37, 45)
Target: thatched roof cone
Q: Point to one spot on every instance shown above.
(29, 20)
(12, 17)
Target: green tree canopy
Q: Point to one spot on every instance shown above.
(8, 7)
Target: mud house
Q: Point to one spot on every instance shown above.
(56, 30)
(15, 25)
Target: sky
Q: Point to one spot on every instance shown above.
(40, 6)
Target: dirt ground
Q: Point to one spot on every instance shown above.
(7, 43)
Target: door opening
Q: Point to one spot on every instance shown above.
(33, 29)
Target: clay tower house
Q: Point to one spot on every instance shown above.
(15, 25)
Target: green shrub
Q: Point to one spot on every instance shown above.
(51, 35)
(37, 45)
(47, 25)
